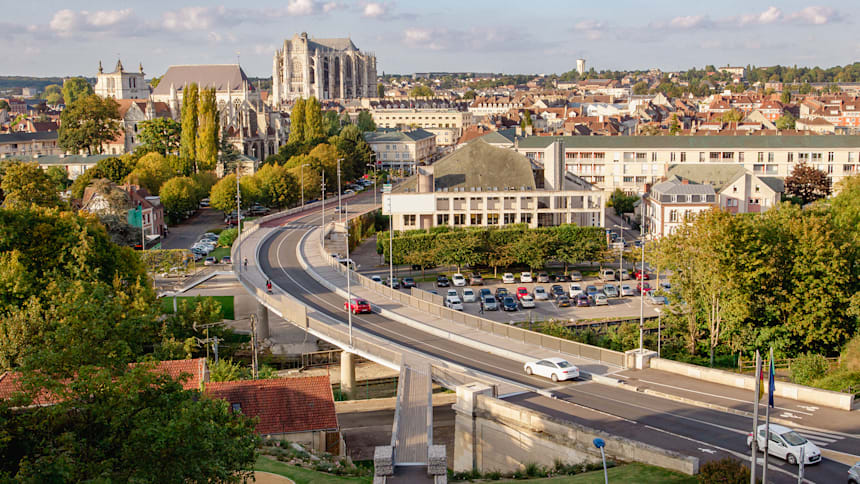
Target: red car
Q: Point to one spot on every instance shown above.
(639, 275)
(357, 305)
(521, 291)
(643, 287)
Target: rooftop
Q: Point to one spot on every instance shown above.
(693, 142)
(395, 136)
(676, 186)
(220, 76)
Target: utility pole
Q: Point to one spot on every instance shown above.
(756, 398)
(390, 244)
(238, 209)
(302, 175)
(322, 227)
(620, 252)
(254, 347)
(348, 284)
(339, 205)
(642, 298)
(767, 414)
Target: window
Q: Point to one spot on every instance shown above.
(641, 156)
(757, 188)
(758, 168)
(850, 157)
(714, 156)
(442, 219)
(459, 219)
(803, 157)
(510, 218)
(734, 189)
(728, 156)
(830, 156)
(628, 179)
(770, 157)
(641, 179)
(816, 156)
(731, 202)
(673, 215)
(409, 220)
(475, 219)
(701, 157)
(492, 219)
(653, 156)
(848, 168)
(672, 156)
(830, 168)
(791, 157)
(681, 198)
(525, 218)
(741, 156)
(236, 407)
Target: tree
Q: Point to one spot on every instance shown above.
(732, 116)
(161, 135)
(88, 123)
(640, 88)
(151, 172)
(188, 139)
(331, 123)
(526, 120)
(674, 126)
(74, 89)
(58, 177)
(785, 97)
(621, 202)
(114, 169)
(223, 194)
(807, 183)
(380, 90)
(279, 187)
(534, 248)
(4, 104)
(786, 121)
(470, 95)
(26, 183)
(459, 248)
(207, 130)
(365, 122)
(421, 91)
(179, 196)
(313, 121)
(53, 94)
(297, 122)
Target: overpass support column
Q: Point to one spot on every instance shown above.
(466, 442)
(262, 321)
(347, 374)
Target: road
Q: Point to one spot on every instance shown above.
(692, 430)
(184, 235)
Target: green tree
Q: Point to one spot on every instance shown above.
(53, 94)
(807, 183)
(331, 123)
(151, 172)
(786, 121)
(279, 187)
(223, 194)
(313, 121)
(421, 91)
(365, 122)
(227, 370)
(380, 90)
(470, 95)
(297, 122)
(640, 88)
(459, 248)
(188, 139)
(674, 126)
(526, 120)
(74, 89)
(88, 123)
(114, 169)
(732, 116)
(179, 197)
(534, 248)
(4, 104)
(785, 97)
(621, 202)
(25, 183)
(207, 130)
(161, 135)
(58, 177)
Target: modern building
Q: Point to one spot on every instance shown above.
(629, 163)
(121, 84)
(401, 150)
(580, 66)
(673, 203)
(483, 185)
(436, 119)
(324, 68)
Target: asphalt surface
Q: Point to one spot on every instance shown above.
(689, 429)
(184, 235)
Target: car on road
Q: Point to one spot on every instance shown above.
(555, 291)
(562, 301)
(469, 295)
(476, 279)
(376, 279)
(226, 260)
(395, 283)
(454, 303)
(526, 277)
(610, 290)
(485, 292)
(442, 281)
(786, 444)
(655, 300)
(408, 282)
(490, 304)
(582, 301)
(540, 293)
(357, 305)
(556, 369)
(527, 302)
(575, 276)
(501, 292)
(458, 280)
(854, 474)
(508, 278)
(626, 290)
(643, 287)
(209, 261)
(204, 203)
(601, 300)
(521, 291)
(543, 277)
(592, 291)
(639, 275)
(575, 289)
(509, 304)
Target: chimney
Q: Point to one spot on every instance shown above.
(684, 181)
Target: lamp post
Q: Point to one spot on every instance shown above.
(348, 286)
(659, 327)
(339, 206)
(302, 176)
(620, 252)
(600, 444)
(642, 298)
(238, 209)
(322, 212)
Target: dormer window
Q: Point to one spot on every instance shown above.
(236, 407)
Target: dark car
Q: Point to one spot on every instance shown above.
(543, 277)
(582, 301)
(509, 304)
(563, 301)
(408, 282)
(562, 278)
(417, 267)
(485, 292)
(501, 292)
(592, 291)
(555, 291)
(553, 277)
(442, 281)
(476, 279)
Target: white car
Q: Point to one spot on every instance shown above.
(575, 290)
(454, 303)
(601, 300)
(458, 280)
(553, 368)
(469, 295)
(452, 293)
(527, 302)
(508, 278)
(525, 277)
(786, 444)
(376, 279)
(627, 290)
(540, 294)
(575, 276)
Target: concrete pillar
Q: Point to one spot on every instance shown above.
(466, 445)
(262, 321)
(347, 374)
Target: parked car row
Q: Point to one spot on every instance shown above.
(545, 277)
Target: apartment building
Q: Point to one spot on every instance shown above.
(29, 145)
(401, 150)
(630, 162)
(439, 121)
(673, 203)
(483, 185)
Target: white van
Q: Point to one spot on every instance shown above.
(607, 274)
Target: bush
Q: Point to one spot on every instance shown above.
(724, 471)
(839, 381)
(227, 237)
(807, 368)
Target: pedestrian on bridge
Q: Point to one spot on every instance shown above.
(245, 263)
(269, 285)
(482, 307)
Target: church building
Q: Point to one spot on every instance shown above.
(121, 84)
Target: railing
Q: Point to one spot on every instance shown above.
(781, 364)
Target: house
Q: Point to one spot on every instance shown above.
(296, 409)
(401, 150)
(738, 190)
(672, 203)
(29, 145)
(153, 211)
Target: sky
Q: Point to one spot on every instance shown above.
(70, 37)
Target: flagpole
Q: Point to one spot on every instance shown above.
(756, 399)
(767, 415)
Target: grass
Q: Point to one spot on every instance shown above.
(219, 253)
(227, 311)
(632, 473)
(304, 476)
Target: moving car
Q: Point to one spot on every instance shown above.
(469, 295)
(527, 302)
(555, 291)
(526, 277)
(408, 282)
(575, 290)
(854, 474)
(654, 299)
(454, 303)
(509, 304)
(786, 444)
(507, 278)
(543, 277)
(442, 281)
(476, 279)
(553, 368)
(501, 292)
(540, 294)
(490, 304)
(601, 300)
(521, 291)
(357, 305)
(610, 290)
(458, 280)
(575, 276)
(626, 290)
(562, 301)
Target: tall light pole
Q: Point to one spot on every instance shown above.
(302, 170)
(390, 243)
(348, 286)
(659, 325)
(322, 187)
(642, 298)
(621, 252)
(238, 209)
(339, 206)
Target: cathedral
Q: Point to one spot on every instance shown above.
(324, 68)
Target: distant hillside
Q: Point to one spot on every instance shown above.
(18, 82)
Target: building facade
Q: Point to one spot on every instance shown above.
(121, 84)
(29, 145)
(401, 150)
(441, 121)
(675, 202)
(324, 68)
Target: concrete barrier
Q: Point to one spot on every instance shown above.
(827, 398)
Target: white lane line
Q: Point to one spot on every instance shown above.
(820, 434)
(715, 395)
(820, 443)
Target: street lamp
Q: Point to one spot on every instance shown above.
(339, 206)
(600, 444)
(642, 297)
(659, 325)
(621, 252)
(302, 170)
(322, 188)
(348, 287)
(238, 209)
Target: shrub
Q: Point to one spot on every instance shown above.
(807, 368)
(227, 237)
(724, 471)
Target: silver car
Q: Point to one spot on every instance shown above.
(854, 474)
(490, 304)
(610, 290)
(627, 290)
(540, 294)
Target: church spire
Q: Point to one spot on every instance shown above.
(140, 66)
(101, 69)
(119, 66)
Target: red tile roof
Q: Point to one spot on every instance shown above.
(283, 405)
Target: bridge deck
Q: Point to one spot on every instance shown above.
(412, 433)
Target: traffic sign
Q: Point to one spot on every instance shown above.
(386, 188)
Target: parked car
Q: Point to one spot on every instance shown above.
(626, 290)
(408, 282)
(476, 279)
(553, 368)
(575, 289)
(654, 299)
(522, 291)
(575, 276)
(458, 280)
(454, 303)
(509, 304)
(643, 287)
(786, 444)
(665, 286)
(485, 292)
(357, 305)
(854, 474)
(508, 278)
(469, 295)
(209, 261)
(527, 302)
(543, 277)
(452, 292)
(639, 275)
(490, 304)
(226, 260)
(395, 283)
(622, 275)
(540, 293)
(526, 277)
(555, 291)
(591, 291)
(562, 301)
(501, 292)
(582, 301)
(600, 300)
(610, 290)
(607, 274)
(562, 278)
(376, 279)
(442, 281)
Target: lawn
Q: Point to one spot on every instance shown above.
(219, 253)
(632, 473)
(227, 311)
(304, 476)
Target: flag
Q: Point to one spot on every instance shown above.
(760, 376)
(770, 384)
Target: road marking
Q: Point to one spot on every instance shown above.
(809, 408)
(708, 451)
(712, 395)
(790, 415)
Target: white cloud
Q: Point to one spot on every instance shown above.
(329, 6)
(690, 22)
(374, 10)
(816, 15)
(593, 29)
(475, 39)
(194, 18)
(769, 16)
(66, 22)
(301, 7)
